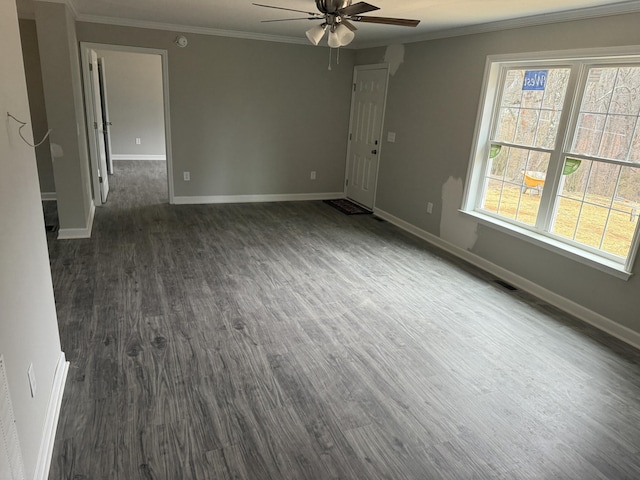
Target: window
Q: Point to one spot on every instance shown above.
(557, 154)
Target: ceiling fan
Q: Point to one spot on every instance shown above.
(337, 17)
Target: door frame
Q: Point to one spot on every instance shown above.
(85, 47)
(356, 69)
(106, 123)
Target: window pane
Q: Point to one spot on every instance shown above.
(603, 179)
(619, 233)
(514, 184)
(589, 134)
(512, 90)
(616, 138)
(597, 206)
(608, 120)
(531, 105)
(634, 154)
(527, 126)
(591, 225)
(566, 219)
(508, 121)
(624, 218)
(626, 94)
(547, 128)
(599, 88)
(556, 89)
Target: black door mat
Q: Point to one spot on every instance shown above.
(348, 207)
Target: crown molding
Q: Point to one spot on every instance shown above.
(124, 22)
(621, 8)
(69, 3)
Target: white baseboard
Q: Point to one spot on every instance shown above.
(589, 316)
(51, 422)
(120, 156)
(48, 196)
(77, 233)
(288, 197)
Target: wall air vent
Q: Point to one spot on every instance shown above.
(11, 466)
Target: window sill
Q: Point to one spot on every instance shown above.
(548, 243)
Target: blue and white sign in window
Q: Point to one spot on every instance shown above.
(535, 80)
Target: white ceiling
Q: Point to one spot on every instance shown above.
(439, 18)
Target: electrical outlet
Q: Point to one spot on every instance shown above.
(429, 208)
(313, 175)
(32, 380)
(138, 140)
(186, 176)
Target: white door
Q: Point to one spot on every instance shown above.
(365, 132)
(96, 124)
(106, 119)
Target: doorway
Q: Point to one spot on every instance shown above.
(128, 118)
(365, 132)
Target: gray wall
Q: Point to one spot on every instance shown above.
(134, 92)
(33, 73)
(432, 106)
(249, 117)
(59, 60)
(28, 324)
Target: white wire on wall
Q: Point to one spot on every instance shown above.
(24, 124)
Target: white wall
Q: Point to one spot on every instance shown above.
(31, 58)
(249, 117)
(62, 83)
(134, 91)
(28, 324)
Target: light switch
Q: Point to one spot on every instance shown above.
(391, 137)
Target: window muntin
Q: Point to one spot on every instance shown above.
(588, 196)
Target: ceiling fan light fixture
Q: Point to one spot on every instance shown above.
(334, 40)
(345, 36)
(316, 33)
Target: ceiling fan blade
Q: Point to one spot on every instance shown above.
(358, 8)
(401, 22)
(314, 14)
(349, 25)
(288, 19)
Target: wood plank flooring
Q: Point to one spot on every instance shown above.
(290, 341)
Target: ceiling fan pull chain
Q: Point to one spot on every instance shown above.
(329, 59)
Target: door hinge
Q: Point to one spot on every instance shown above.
(354, 87)
(351, 136)
(347, 182)
(100, 179)
(90, 67)
(95, 125)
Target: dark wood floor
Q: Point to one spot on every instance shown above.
(290, 341)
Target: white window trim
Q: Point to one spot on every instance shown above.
(488, 99)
